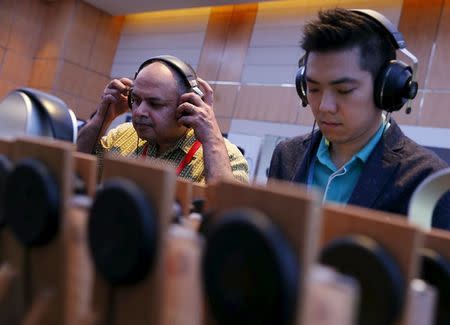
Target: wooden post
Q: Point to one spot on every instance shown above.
(400, 239)
(42, 270)
(294, 211)
(184, 195)
(140, 303)
(438, 243)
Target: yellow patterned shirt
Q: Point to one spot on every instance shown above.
(123, 140)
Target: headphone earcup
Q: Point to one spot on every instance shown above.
(394, 86)
(130, 104)
(300, 85)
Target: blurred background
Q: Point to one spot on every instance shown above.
(247, 51)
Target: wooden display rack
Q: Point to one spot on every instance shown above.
(38, 293)
(439, 241)
(400, 239)
(52, 283)
(296, 213)
(86, 169)
(140, 303)
(184, 195)
(6, 271)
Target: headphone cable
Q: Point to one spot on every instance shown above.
(97, 138)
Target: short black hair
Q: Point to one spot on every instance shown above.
(342, 29)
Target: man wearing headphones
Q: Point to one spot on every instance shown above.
(172, 120)
(359, 155)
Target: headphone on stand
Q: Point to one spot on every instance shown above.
(395, 83)
(184, 69)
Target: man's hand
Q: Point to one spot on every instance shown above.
(197, 113)
(113, 104)
(114, 99)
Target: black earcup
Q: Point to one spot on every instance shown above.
(6, 167)
(250, 272)
(380, 279)
(436, 272)
(122, 232)
(129, 100)
(300, 81)
(62, 122)
(32, 203)
(394, 86)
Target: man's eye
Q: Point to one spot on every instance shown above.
(313, 90)
(135, 99)
(345, 91)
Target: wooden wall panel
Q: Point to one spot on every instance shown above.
(214, 42)
(17, 67)
(85, 107)
(6, 17)
(70, 78)
(237, 42)
(224, 124)
(44, 73)
(79, 55)
(26, 26)
(81, 33)
(416, 112)
(62, 47)
(2, 56)
(419, 23)
(6, 87)
(225, 99)
(440, 69)
(249, 106)
(435, 112)
(105, 44)
(53, 31)
(226, 42)
(177, 32)
(267, 103)
(93, 85)
(305, 115)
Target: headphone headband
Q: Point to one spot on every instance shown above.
(182, 67)
(392, 32)
(395, 83)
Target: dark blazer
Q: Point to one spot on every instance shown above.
(396, 166)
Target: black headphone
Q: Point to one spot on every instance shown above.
(395, 83)
(34, 112)
(185, 70)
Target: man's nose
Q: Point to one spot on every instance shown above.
(141, 109)
(328, 102)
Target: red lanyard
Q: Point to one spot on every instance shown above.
(187, 159)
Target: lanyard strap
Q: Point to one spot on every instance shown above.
(187, 159)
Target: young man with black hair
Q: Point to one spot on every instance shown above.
(359, 155)
(167, 120)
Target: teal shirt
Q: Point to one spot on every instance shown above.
(337, 184)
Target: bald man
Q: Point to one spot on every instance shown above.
(169, 123)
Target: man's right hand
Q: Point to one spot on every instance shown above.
(114, 99)
(114, 103)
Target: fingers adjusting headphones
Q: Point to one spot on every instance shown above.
(184, 69)
(395, 83)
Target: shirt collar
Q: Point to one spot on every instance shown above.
(323, 153)
(365, 152)
(184, 143)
